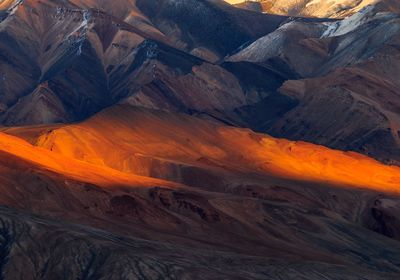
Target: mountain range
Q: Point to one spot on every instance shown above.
(199, 139)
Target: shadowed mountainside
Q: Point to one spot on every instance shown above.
(347, 86)
(87, 252)
(65, 61)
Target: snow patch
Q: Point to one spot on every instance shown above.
(85, 27)
(348, 24)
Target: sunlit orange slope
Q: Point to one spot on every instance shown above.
(71, 168)
(275, 196)
(5, 4)
(130, 140)
(313, 8)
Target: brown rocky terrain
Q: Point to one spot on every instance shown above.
(347, 86)
(63, 62)
(88, 200)
(305, 8)
(133, 145)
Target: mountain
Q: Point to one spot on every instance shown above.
(306, 8)
(347, 68)
(276, 197)
(63, 62)
(194, 139)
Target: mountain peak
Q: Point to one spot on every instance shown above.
(306, 8)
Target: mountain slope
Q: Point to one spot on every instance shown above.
(70, 59)
(348, 97)
(141, 132)
(129, 148)
(67, 61)
(85, 251)
(276, 197)
(306, 8)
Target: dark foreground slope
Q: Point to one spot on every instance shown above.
(34, 247)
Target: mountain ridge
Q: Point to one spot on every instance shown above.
(207, 191)
(173, 139)
(306, 8)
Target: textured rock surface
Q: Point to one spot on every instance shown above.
(40, 248)
(293, 210)
(349, 99)
(65, 61)
(306, 8)
(130, 163)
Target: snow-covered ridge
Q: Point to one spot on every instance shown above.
(272, 44)
(353, 22)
